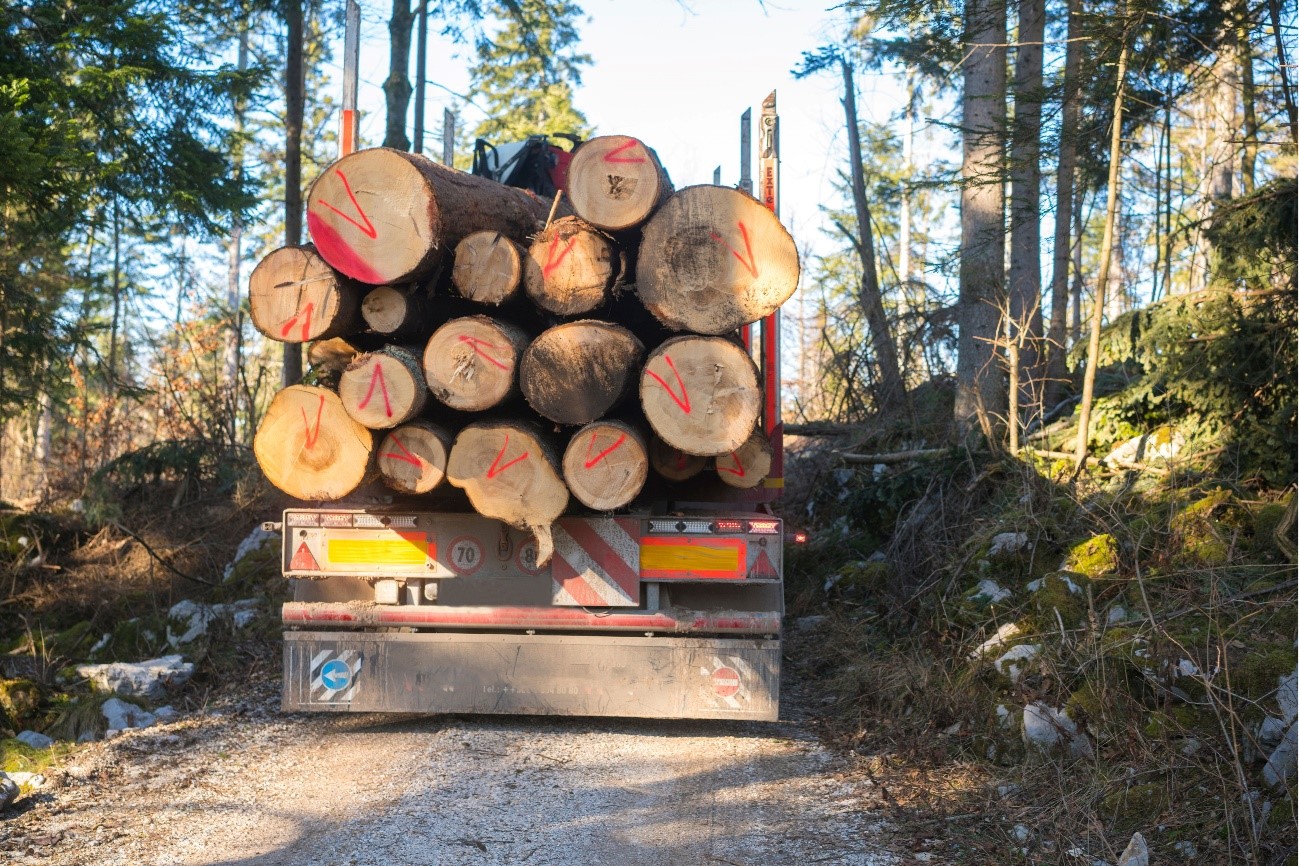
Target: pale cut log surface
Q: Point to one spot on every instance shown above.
(383, 389)
(511, 475)
(570, 267)
(606, 464)
(471, 363)
(712, 259)
(391, 310)
(575, 372)
(488, 268)
(701, 394)
(673, 463)
(333, 354)
(615, 182)
(748, 465)
(413, 457)
(309, 447)
(385, 216)
(295, 297)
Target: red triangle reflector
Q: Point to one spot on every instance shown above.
(762, 568)
(303, 560)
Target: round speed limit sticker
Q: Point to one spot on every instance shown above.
(466, 555)
(527, 558)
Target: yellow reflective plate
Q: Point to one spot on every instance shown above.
(399, 548)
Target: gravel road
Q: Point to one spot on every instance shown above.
(242, 783)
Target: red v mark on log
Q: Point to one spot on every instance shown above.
(738, 471)
(368, 227)
(305, 315)
(306, 425)
(590, 463)
(749, 262)
(376, 375)
(684, 400)
(612, 156)
(476, 344)
(405, 455)
(551, 261)
(496, 469)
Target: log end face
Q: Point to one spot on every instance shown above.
(615, 182)
(308, 447)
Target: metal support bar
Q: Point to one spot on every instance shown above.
(349, 133)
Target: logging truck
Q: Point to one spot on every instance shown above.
(537, 449)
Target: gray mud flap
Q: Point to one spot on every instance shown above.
(565, 675)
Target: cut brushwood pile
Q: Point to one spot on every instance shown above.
(537, 359)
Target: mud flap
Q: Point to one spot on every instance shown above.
(567, 675)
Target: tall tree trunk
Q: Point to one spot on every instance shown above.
(1248, 92)
(980, 394)
(1057, 369)
(1282, 65)
(234, 252)
(1107, 246)
(295, 85)
(891, 390)
(1221, 141)
(1075, 326)
(396, 87)
(1025, 278)
(421, 72)
(908, 146)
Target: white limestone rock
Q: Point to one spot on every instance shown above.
(121, 715)
(253, 541)
(147, 679)
(34, 739)
(1137, 853)
(989, 592)
(1009, 543)
(1004, 635)
(1016, 660)
(1047, 728)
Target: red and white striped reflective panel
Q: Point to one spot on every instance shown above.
(596, 563)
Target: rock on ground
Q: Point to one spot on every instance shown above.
(147, 679)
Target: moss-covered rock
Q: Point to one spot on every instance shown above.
(1256, 672)
(132, 640)
(865, 577)
(1058, 593)
(1136, 806)
(72, 642)
(1094, 557)
(19, 701)
(1205, 533)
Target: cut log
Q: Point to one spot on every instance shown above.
(606, 464)
(701, 394)
(713, 259)
(575, 372)
(571, 267)
(385, 216)
(615, 182)
(397, 311)
(470, 363)
(295, 297)
(510, 474)
(748, 465)
(309, 447)
(333, 354)
(488, 268)
(413, 457)
(673, 463)
(384, 388)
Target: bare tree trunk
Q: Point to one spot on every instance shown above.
(891, 389)
(421, 72)
(1282, 65)
(295, 85)
(1248, 94)
(980, 394)
(234, 252)
(1075, 326)
(396, 87)
(1057, 369)
(1221, 131)
(908, 144)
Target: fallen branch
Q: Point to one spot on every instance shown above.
(894, 456)
(164, 563)
(823, 428)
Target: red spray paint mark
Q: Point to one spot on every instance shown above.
(738, 471)
(339, 253)
(496, 469)
(612, 156)
(477, 344)
(551, 261)
(603, 454)
(750, 263)
(376, 375)
(305, 315)
(682, 459)
(312, 434)
(368, 228)
(684, 400)
(405, 455)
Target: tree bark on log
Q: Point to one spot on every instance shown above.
(606, 464)
(748, 465)
(510, 474)
(332, 355)
(576, 372)
(673, 463)
(615, 182)
(383, 389)
(701, 394)
(385, 216)
(295, 297)
(488, 268)
(470, 363)
(309, 447)
(571, 267)
(413, 457)
(713, 259)
(397, 311)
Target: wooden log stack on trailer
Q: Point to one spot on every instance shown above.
(538, 361)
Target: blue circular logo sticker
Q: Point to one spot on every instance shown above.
(335, 674)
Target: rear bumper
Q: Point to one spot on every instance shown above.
(542, 674)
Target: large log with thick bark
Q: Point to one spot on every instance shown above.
(384, 388)
(413, 457)
(575, 372)
(606, 464)
(571, 267)
(488, 268)
(701, 394)
(309, 447)
(385, 216)
(748, 465)
(712, 259)
(615, 182)
(509, 473)
(471, 363)
(295, 297)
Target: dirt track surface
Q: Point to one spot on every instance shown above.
(245, 784)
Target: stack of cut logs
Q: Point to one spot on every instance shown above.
(466, 330)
